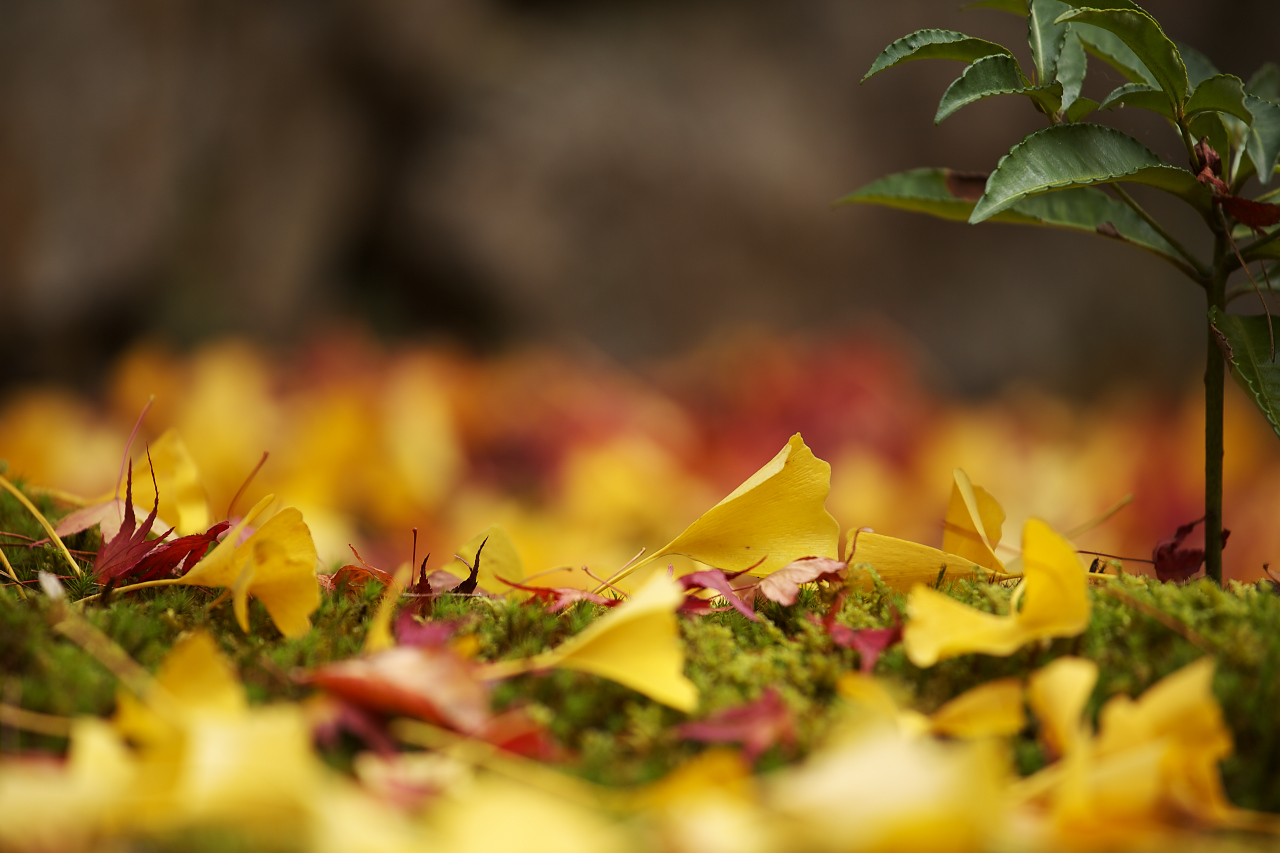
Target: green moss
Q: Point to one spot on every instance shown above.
(615, 735)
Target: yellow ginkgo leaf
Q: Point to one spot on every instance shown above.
(1057, 694)
(778, 515)
(499, 559)
(973, 524)
(636, 644)
(1054, 603)
(993, 709)
(902, 564)
(277, 565)
(194, 677)
(183, 503)
(378, 638)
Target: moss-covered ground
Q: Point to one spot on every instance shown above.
(1140, 631)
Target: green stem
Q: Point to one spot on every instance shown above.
(1214, 387)
(1200, 270)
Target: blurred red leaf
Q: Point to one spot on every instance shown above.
(427, 682)
(869, 643)
(1255, 214)
(1175, 563)
(757, 726)
(561, 597)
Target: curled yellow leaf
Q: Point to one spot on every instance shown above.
(1054, 603)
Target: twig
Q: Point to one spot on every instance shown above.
(8, 569)
(1271, 332)
(1178, 627)
(1196, 266)
(1106, 516)
(31, 721)
(44, 522)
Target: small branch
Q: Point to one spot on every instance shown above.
(1200, 272)
(1271, 332)
(1180, 628)
(31, 721)
(1236, 291)
(44, 522)
(8, 570)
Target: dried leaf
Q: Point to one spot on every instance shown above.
(716, 580)
(757, 726)
(783, 586)
(1175, 563)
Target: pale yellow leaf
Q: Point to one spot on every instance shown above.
(994, 709)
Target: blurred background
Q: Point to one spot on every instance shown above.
(433, 243)
(632, 175)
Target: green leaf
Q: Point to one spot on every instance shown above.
(1263, 139)
(1246, 344)
(1045, 37)
(996, 75)
(1140, 32)
(1080, 108)
(1269, 251)
(1017, 7)
(1221, 93)
(934, 44)
(1072, 65)
(1199, 66)
(1141, 95)
(1107, 47)
(1265, 83)
(951, 195)
(1068, 155)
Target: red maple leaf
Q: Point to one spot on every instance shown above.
(120, 556)
(1175, 563)
(757, 726)
(561, 597)
(177, 557)
(869, 643)
(712, 579)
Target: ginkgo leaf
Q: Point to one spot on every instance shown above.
(1055, 603)
(973, 525)
(1057, 694)
(993, 709)
(636, 644)
(902, 564)
(276, 564)
(778, 515)
(378, 638)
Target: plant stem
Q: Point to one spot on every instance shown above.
(1199, 268)
(1214, 386)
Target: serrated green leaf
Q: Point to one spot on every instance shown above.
(1248, 352)
(1222, 93)
(1142, 35)
(1263, 138)
(934, 44)
(1080, 108)
(1107, 47)
(1265, 83)
(1072, 65)
(1068, 155)
(1016, 7)
(1199, 66)
(1045, 36)
(1083, 209)
(1141, 95)
(996, 75)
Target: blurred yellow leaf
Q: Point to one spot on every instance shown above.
(973, 524)
(183, 504)
(1057, 694)
(499, 559)
(1054, 603)
(993, 709)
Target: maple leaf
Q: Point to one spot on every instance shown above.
(716, 580)
(560, 597)
(757, 726)
(1175, 563)
(118, 557)
(173, 556)
(869, 643)
(783, 586)
(429, 683)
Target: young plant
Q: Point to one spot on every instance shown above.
(1229, 129)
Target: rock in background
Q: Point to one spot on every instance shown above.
(633, 175)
